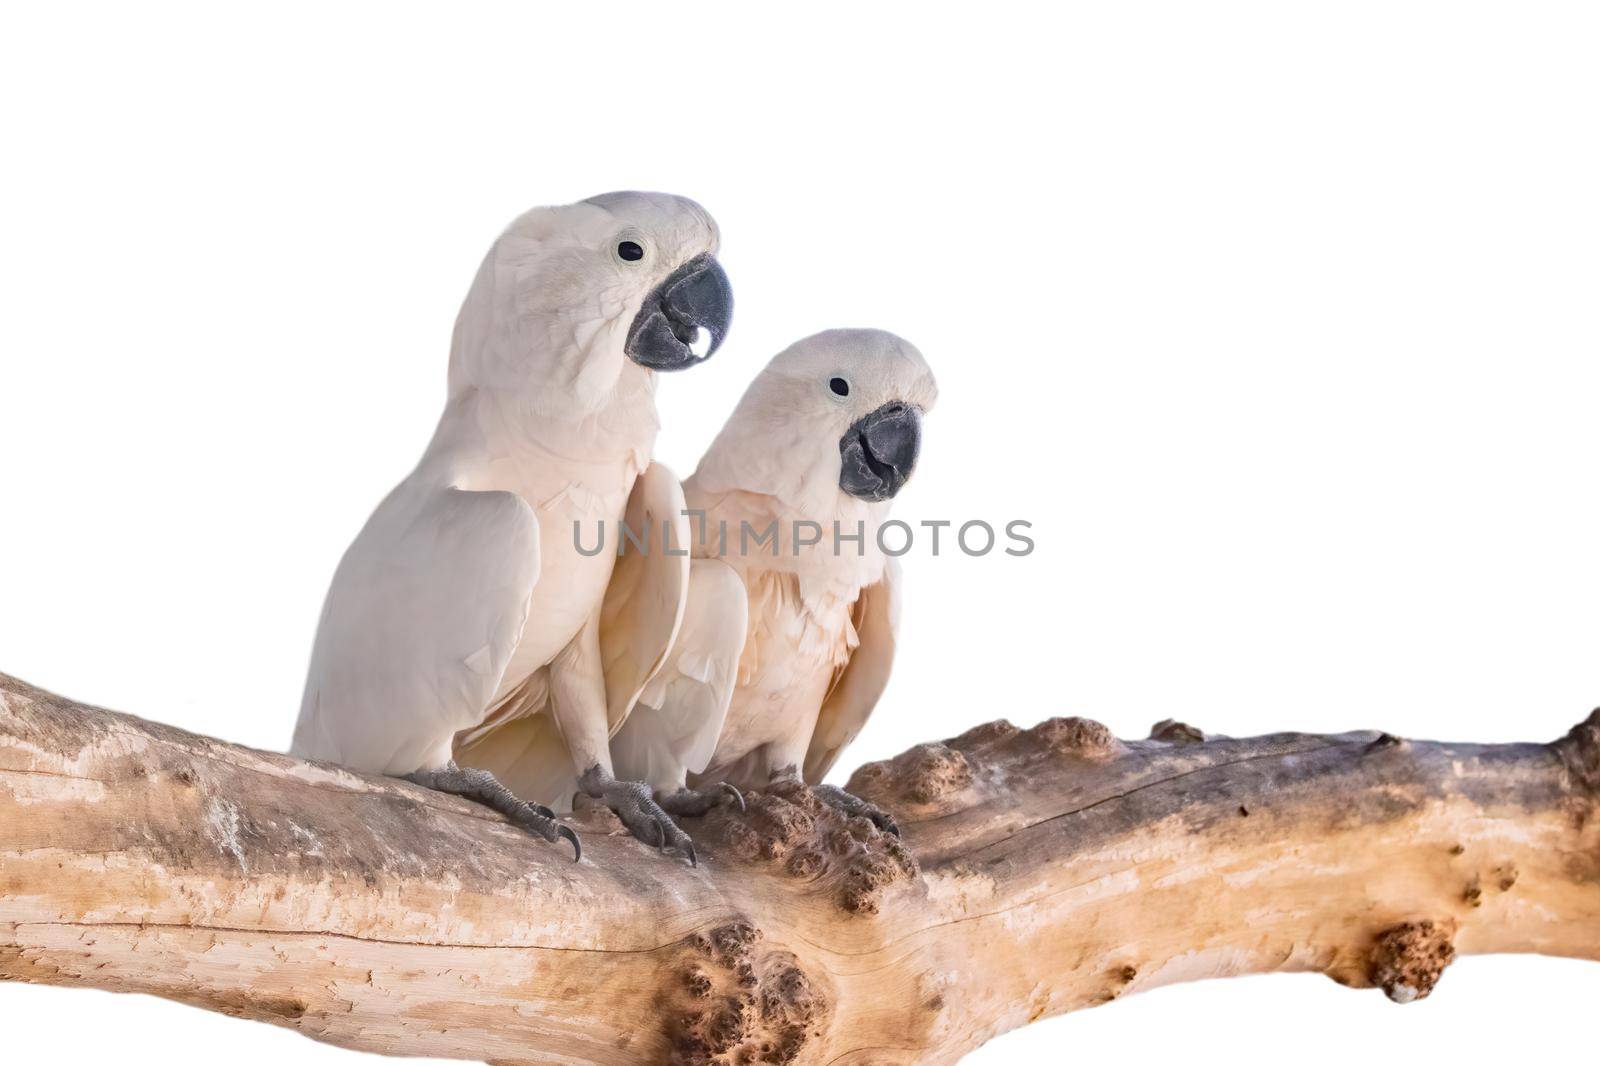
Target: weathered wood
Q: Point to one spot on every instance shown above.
(1042, 870)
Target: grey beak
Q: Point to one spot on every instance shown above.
(697, 296)
(879, 451)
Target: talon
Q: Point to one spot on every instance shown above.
(738, 797)
(635, 804)
(856, 807)
(542, 811)
(577, 848)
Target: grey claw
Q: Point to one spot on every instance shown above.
(882, 820)
(738, 797)
(637, 809)
(480, 786)
(577, 848)
(688, 846)
(854, 806)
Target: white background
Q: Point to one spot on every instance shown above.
(1278, 322)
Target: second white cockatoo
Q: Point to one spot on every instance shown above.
(463, 623)
(787, 642)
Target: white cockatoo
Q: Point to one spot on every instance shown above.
(464, 623)
(787, 641)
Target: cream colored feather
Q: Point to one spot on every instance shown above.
(813, 655)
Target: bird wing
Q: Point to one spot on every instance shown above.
(644, 602)
(856, 688)
(420, 622)
(639, 617)
(678, 721)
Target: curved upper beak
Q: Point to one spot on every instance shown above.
(684, 319)
(879, 451)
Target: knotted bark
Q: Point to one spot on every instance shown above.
(1042, 870)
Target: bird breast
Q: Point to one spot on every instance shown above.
(792, 636)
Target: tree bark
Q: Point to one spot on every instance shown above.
(1041, 871)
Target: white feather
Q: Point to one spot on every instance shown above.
(464, 603)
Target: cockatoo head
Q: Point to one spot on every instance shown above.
(833, 421)
(569, 298)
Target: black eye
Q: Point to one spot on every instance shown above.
(632, 251)
(840, 386)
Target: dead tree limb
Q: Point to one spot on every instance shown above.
(1043, 870)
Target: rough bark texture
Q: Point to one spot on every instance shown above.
(1042, 870)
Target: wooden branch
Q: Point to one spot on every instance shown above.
(1042, 871)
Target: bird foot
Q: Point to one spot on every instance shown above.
(856, 807)
(633, 804)
(480, 786)
(694, 802)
